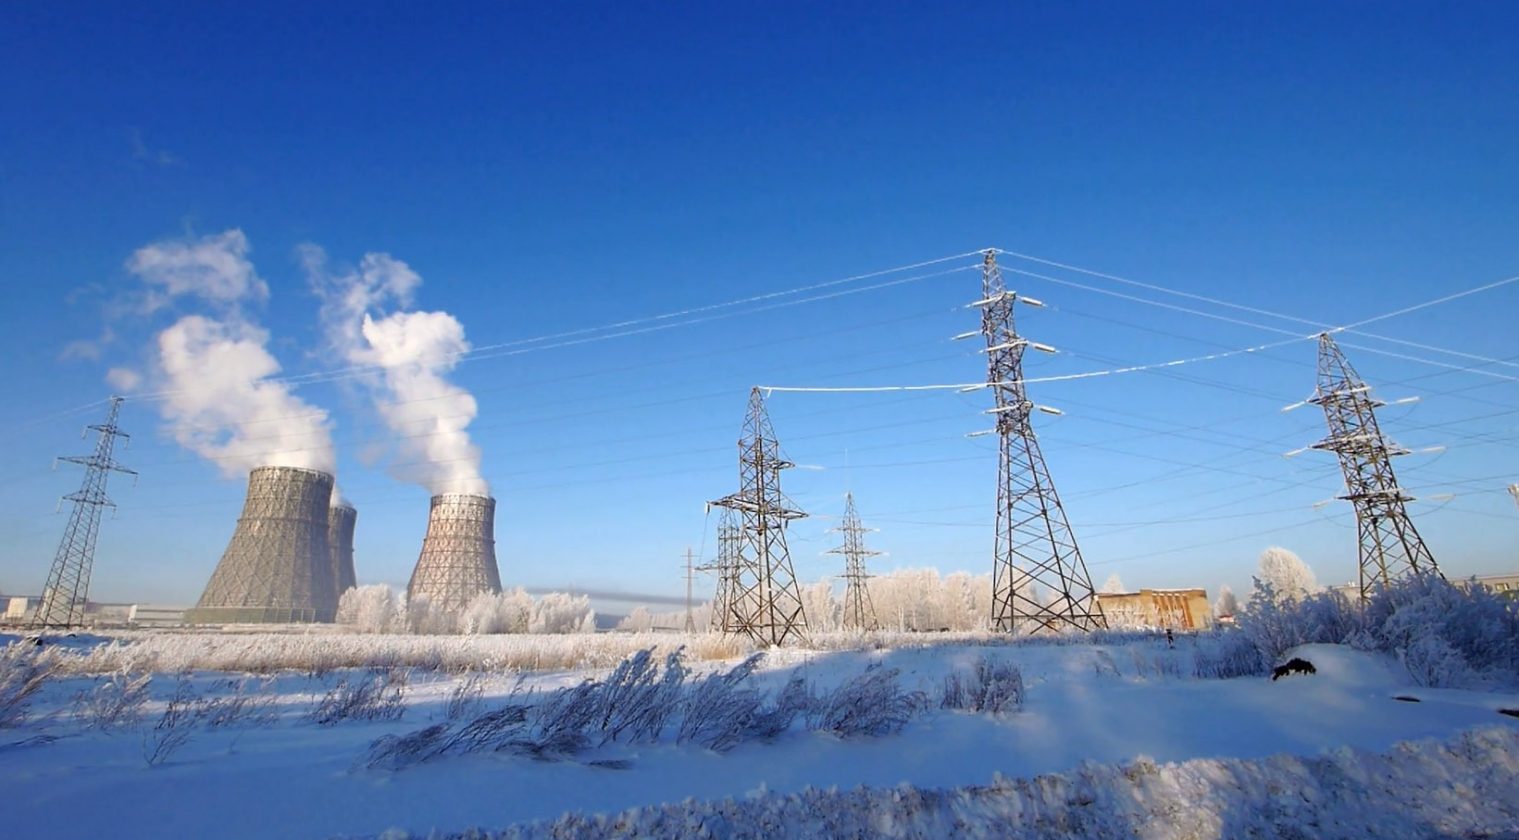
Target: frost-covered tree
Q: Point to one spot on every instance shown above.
(375, 608)
(1112, 584)
(638, 621)
(1226, 603)
(1289, 577)
(558, 612)
(823, 612)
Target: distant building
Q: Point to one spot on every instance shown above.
(145, 615)
(1506, 585)
(16, 609)
(1176, 609)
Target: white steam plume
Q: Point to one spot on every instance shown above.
(412, 353)
(216, 371)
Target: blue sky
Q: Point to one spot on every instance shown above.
(554, 167)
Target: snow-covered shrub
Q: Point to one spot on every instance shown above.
(464, 698)
(721, 707)
(1442, 632)
(324, 649)
(393, 752)
(247, 703)
(114, 703)
(992, 687)
(372, 609)
(638, 620)
(379, 697)
(559, 724)
(173, 728)
(500, 612)
(869, 705)
(777, 716)
(493, 731)
(636, 699)
(423, 619)
(559, 612)
(1226, 654)
(24, 670)
(1435, 663)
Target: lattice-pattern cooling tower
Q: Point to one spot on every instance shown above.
(458, 559)
(341, 519)
(278, 565)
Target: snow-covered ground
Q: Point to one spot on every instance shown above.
(279, 773)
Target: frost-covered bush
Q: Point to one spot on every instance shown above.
(248, 703)
(1227, 654)
(379, 697)
(116, 702)
(870, 705)
(372, 609)
(325, 649)
(721, 707)
(1277, 623)
(644, 700)
(465, 697)
(636, 699)
(380, 609)
(173, 728)
(992, 687)
(1445, 634)
(24, 670)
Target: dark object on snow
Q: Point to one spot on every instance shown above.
(1293, 666)
(1509, 712)
(1406, 699)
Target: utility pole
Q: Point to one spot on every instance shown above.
(68, 582)
(1035, 550)
(764, 602)
(1390, 545)
(859, 610)
(690, 573)
(1513, 490)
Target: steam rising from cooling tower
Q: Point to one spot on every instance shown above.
(216, 373)
(409, 354)
(458, 559)
(278, 566)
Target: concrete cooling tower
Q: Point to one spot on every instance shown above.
(458, 559)
(278, 566)
(341, 519)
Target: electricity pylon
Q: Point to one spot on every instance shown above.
(1390, 546)
(764, 601)
(1035, 548)
(1513, 490)
(690, 575)
(68, 582)
(725, 567)
(859, 611)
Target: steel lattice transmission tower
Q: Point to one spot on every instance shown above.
(726, 569)
(68, 583)
(1035, 548)
(859, 611)
(764, 601)
(1390, 546)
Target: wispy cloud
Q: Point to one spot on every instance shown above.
(144, 155)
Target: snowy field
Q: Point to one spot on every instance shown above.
(1142, 736)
